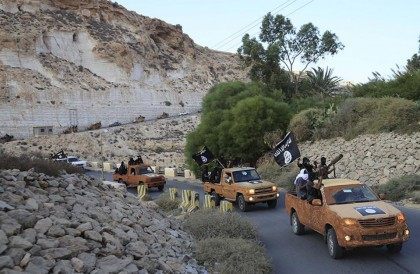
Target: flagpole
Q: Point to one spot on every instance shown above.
(217, 159)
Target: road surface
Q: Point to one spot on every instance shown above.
(308, 253)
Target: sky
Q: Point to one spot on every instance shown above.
(377, 34)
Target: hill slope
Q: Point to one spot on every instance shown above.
(65, 63)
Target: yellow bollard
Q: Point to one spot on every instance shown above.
(226, 206)
(186, 198)
(209, 201)
(173, 193)
(195, 201)
(141, 191)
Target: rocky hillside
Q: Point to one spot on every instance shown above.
(76, 224)
(74, 63)
(160, 142)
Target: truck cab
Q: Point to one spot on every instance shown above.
(244, 186)
(140, 174)
(349, 215)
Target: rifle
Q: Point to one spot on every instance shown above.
(334, 161)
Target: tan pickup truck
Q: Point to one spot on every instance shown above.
(349, 215)
(140, 174)
(244, 186)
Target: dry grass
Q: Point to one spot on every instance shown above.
(204, 224)
(232, 255)
(400, 188)
(40, 165)
(166, 204)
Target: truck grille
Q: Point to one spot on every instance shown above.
(155, 179)
(378, 237)
(263, 190)
(368, 223)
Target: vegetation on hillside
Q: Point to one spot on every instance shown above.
(226, 243)
(404, 187)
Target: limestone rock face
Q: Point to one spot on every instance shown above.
(66, 63)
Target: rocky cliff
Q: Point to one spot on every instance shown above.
(74, 63)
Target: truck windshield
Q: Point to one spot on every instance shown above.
(355, 194)
(146, 170)
(245, 176)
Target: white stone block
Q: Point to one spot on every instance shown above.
(170, 172)
(107, 166)
(154, 169)
(187, 173)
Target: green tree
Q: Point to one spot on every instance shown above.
(323, 81)
(286, 46)
(234, 120)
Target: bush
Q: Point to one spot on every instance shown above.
(166, 204)
(356, 116)
(281, 176)
(235, 116)
(305, 123)
(40, 165)
(226, 255)
(204, 224)
(400, 188)
(405, 86)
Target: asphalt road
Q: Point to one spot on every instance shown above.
(308, 253)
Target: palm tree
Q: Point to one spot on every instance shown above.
(323, 81)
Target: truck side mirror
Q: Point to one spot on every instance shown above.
(382, 196)
(316, 202)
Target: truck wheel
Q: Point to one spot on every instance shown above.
(243, 205)
(160, 188)
(272, 203)
(394, 248)
(334, 249)
(216, 198)
(297, 227)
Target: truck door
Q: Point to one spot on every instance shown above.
(227, 186)
(317, 216)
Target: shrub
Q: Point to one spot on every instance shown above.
(400, 188)
(298, 104)
(204, 224)
(226, 255)
(40, 165)
(406, 85)
(305, 123)
(166, 204)
(369, 116)
(281, 176)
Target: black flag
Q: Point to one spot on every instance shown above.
(287, 150)
(203, 157)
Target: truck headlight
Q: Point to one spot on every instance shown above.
(349, 222)
(274, 188)
(400, 218)
(251, 191)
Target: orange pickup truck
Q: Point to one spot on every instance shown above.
(349, 215)
(244, 186)
(138, 175)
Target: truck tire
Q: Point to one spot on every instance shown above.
(242, 204)
(334, 249)
(394, 248)
(216, 198)
(297, 227)
(160, 188)
(272, 203)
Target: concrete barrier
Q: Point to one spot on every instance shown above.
(107, 166)
(186, 199)
(226, 206)
(94, 164)
(209, 201)
(173, 193)
(170, 172)
(187, 173)
(195, 202)
(141, 191)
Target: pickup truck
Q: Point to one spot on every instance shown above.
(138, 175)
(73, 160)
(349, 215)
(244, 186)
